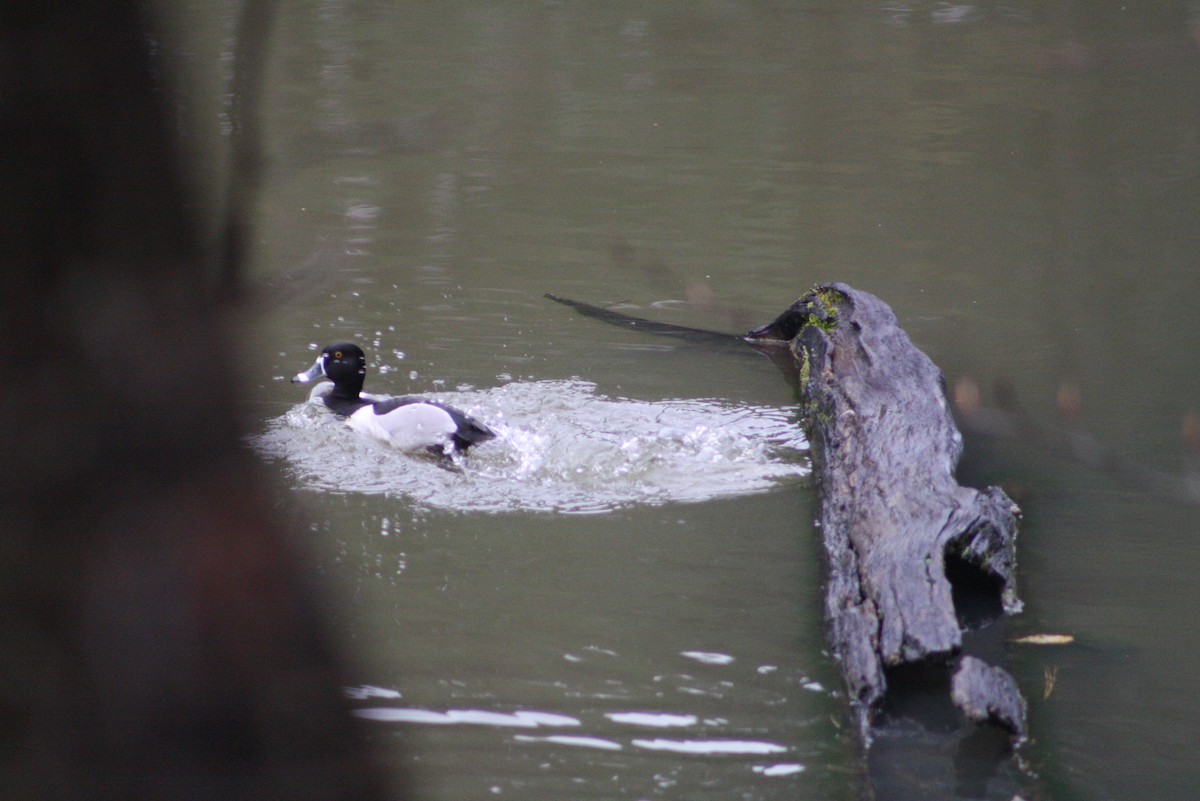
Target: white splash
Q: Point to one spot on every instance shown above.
(560, 448)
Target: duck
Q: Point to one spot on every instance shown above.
(406, 423)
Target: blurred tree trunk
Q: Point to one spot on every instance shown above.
(161, 638)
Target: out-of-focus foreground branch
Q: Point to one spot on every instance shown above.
(161, 638)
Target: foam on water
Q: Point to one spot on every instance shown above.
(560, 448)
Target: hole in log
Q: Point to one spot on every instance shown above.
(920, 692)
(976, 593)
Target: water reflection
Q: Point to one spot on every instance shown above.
(616, 721)
(566, 739)
(702, 742)
(561, 447)
(478, 717)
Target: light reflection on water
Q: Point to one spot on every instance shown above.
(560, 448)
(629, 734)
(740, 724)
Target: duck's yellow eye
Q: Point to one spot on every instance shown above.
(337, 354)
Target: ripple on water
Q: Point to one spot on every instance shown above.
(560, 448)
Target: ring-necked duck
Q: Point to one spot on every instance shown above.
(407, 423)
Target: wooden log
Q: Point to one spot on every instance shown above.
(892, 516)
(987, 693)
(891, 513)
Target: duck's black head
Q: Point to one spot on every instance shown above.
(344, 364)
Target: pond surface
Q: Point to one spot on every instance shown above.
(620, 598)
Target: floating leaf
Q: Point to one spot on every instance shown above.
(1045, 639)
(1049, 679)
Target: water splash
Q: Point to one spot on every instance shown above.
(560, 448)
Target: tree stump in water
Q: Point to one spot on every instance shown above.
(892, 515)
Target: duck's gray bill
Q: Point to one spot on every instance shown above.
(314, 372)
